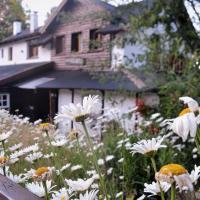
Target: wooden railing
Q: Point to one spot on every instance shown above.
(12, 191)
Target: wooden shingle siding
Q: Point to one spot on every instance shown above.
(82, 16)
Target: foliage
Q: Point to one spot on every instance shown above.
(10, 10)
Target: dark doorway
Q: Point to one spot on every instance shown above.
(34, 104)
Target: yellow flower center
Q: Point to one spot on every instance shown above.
(81, 118)
(40, 171)
(184, 111)
(173, 169)
(62, 198)
(3, 160)
(43, 125)
(73, 135)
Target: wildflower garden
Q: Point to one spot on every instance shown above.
(159, 161)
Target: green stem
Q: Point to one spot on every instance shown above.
(46, 190)
(4, 170)
(4, 147)
(197, 144)
(95, 162)
(153, 162)
(173, 191)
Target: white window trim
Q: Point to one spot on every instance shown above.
(8, 101)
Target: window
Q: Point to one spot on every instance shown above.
(32, 51)
(76, 42)
(60, 41)
(4, 101)
(95, 39)
(2, 53)
(10, 53)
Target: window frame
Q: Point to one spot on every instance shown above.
(2, 101)
(31, 55)
(95, 38)
(10, 53)
(62, 42)
(2, 53)
(79, 43)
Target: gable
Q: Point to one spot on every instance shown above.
(73, 10)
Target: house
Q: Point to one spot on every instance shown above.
(44, 68)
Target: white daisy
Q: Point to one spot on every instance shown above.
(109, 171)
(184, 125)
(100, 162)
(184, 182)
(15, 147)
(121, 160)
(147, 146)
(80, 112)
(141, 197)
(59, 142)
(154, 116)
(5, 136)
(76, 167)
(92, 195)
(38, 189)
(80, 184)
(34, 156)
(191, 103)
(62, 194)
(16, 178)
(154, 188)
(195, 174)
(119, 194)
(109, 158)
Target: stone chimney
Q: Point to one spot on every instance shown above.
(17, 27)
(33, 21)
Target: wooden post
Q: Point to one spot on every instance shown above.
(12, 191)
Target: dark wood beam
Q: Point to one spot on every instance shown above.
(12, 191)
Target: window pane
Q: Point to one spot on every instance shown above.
(76, 42)
(4, 97)
(60, 44)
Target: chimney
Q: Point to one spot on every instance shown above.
(33, 21)
(17, 27)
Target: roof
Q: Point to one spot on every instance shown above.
(25, 34)
(110, 28)
(10, 73)
(79, 79)
(55, 13)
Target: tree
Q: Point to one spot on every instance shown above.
(171, 44)
(10, 10)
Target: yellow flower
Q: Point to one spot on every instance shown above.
(40, 171)
(175, 173)
(73, 135)
(3, 160)
(184, 111)
(173, 169)
(44, 126)
(42, 174)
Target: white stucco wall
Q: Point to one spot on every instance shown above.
(20, 54)
(121, 103)
(112, 101)
(64, 98)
